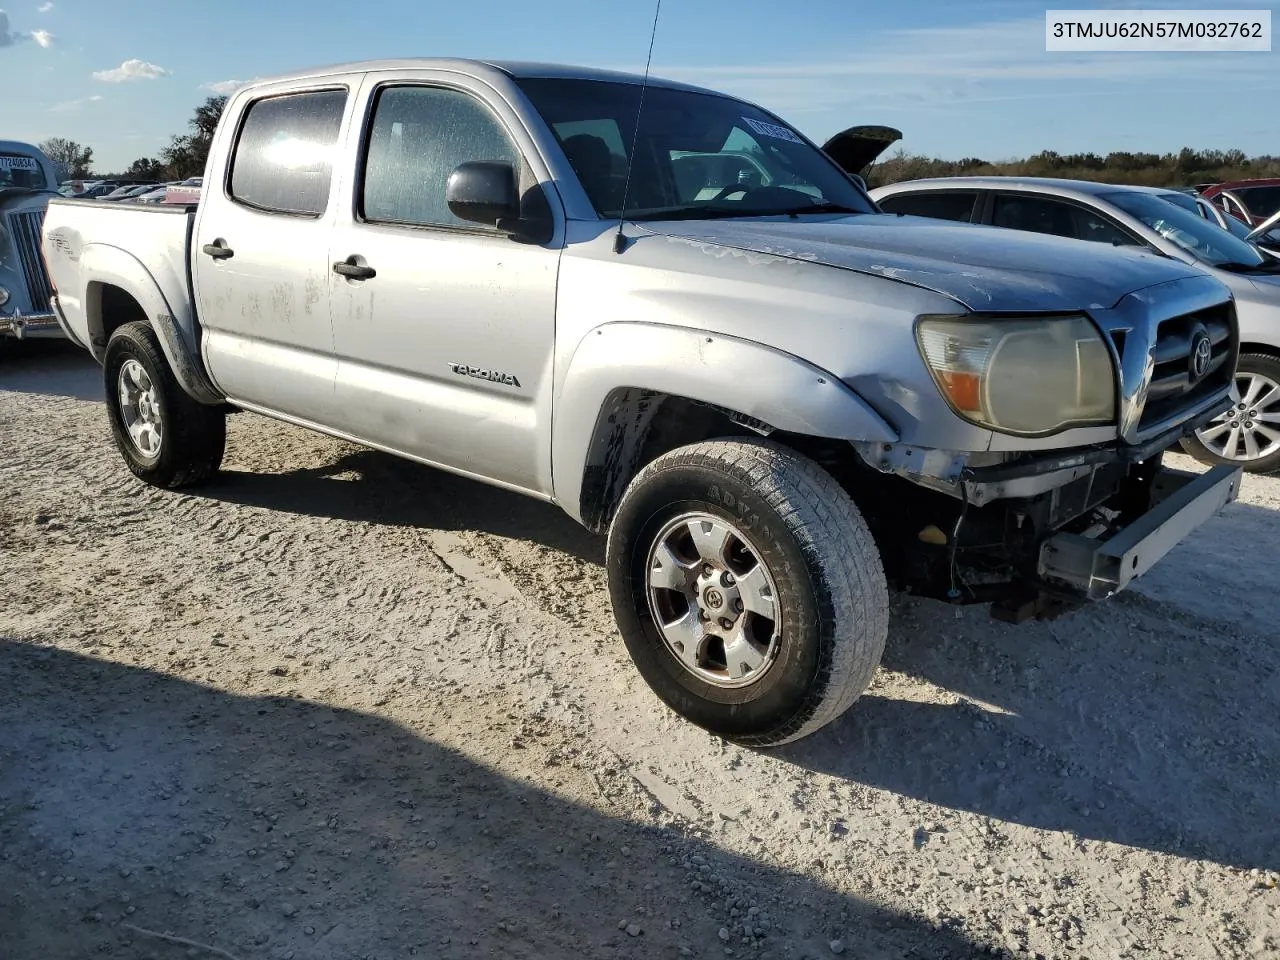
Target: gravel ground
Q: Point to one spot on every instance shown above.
(337, 706)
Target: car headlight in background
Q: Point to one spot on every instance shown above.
(1021, 375)
(4, 296)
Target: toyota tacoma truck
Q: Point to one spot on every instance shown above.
(673, 315)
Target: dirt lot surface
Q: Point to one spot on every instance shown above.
(339, 706)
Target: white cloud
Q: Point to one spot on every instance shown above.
(70, 105)
(224, 88)
(131, 70)
(44, 7)
(9, 38)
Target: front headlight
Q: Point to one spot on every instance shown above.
(4, 296)
(1023, 375)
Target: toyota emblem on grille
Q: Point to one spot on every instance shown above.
(1201, 353)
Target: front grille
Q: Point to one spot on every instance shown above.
(25, 228)
(1174, 387)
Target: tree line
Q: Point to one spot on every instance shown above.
(186, 153)
(1186, 168)
(184, 156)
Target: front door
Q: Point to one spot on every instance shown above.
(261, 271)
(444, 330)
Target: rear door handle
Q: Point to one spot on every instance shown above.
(219, 250)
(354, 271)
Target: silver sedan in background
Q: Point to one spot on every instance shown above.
(1161, 221)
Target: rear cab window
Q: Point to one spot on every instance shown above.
(940, 205)
(283, 160)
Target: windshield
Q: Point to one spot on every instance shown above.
(1205, 241)
(1261, 201)
(17, 170)
(697, 154)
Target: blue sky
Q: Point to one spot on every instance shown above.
(959, 78)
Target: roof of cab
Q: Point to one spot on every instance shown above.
(520, 70)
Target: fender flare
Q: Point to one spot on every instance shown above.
(776, 389)
(172, 319)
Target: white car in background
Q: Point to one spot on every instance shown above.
(1159, 220)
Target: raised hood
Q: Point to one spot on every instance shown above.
(857, 148)
(984, 268)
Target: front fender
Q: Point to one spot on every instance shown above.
(167, 311)
(776, 388)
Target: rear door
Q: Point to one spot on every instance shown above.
(261, 246)
(1039, 213)
(959, 205)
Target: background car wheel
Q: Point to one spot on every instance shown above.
(165, 437)
(748, 589)
(1249, 434)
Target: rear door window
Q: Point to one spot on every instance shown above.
(940, 205)
(1056, 217)
(283, 161)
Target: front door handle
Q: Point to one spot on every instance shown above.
(354, 271)
(218, 250)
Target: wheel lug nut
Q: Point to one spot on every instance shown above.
(727, 580)
(738, 605)
(707, 569)
(726, 623)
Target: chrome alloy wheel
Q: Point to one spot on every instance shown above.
(714, 600)
(140, 408)
(1250, 430)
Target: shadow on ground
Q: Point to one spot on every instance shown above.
(280, 827)
(1144, 721)
(49, 368)
(1134, 721)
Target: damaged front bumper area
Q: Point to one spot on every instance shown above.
(1034, 536)
(1104, 563)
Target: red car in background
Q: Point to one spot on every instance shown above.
(1252, 201)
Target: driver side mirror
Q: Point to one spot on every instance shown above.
(484, 191)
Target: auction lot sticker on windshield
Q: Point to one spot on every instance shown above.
(18, 163)
(1120, 31)
(771, 130)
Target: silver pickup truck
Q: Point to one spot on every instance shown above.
(775, 399)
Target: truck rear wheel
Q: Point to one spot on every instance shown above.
(165, 437)
(748, 589)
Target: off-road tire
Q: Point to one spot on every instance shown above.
(1260, 363)
(195, 435)
(831, 585)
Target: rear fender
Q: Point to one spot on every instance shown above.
(764, 388)
(170, 316)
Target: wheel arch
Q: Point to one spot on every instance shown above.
(120, 289)
(633, 391)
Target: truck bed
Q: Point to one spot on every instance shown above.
(87, 243)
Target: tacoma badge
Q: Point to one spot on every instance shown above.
(480, 373)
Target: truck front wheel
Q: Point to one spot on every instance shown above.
(166, 438)
(748, 589)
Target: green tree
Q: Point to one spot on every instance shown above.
(187, 152)
(145, 168)
(73, 159)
